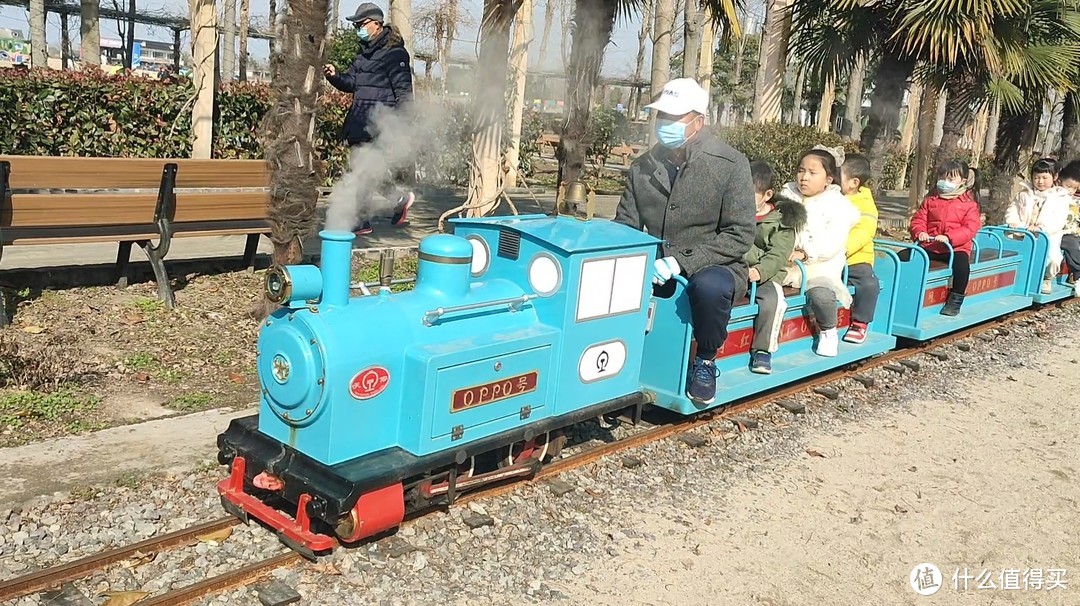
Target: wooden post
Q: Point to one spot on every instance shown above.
(228, 41)
(204, 60)
(65, 42)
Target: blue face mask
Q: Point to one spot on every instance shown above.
(947, 187)
(670, 133)
(363, 34)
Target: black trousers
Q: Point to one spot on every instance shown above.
(961, 267)
(867, 289)
(712, 294)
(1070, 247)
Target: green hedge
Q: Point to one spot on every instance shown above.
(67, 113)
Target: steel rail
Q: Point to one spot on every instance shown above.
(49, 578)
(52, 577)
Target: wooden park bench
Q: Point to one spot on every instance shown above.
(49, 200)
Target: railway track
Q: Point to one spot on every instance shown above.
(55, 576)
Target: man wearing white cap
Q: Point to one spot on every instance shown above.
(695, 193)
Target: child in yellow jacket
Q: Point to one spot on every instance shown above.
(854, 173)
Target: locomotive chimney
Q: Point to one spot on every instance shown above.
(443, 265)
(336, 265)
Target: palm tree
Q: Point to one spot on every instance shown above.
(832, 36)
(289, 146)
(972, 53)
(489, 107)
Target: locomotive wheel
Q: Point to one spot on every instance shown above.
(542, 448)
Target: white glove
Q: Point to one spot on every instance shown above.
(664, 269)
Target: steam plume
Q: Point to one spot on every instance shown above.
(399, 135)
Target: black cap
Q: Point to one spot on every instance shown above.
(366, 10)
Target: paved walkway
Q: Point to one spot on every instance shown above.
(423, 221)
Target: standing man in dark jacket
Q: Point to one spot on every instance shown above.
(380, 75)
(695, 193)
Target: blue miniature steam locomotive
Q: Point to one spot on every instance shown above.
(517, 327)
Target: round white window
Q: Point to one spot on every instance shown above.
(545, 276)
(480, 256)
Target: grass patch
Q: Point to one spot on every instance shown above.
(148, 306)
(191, 402)
(403, 268)
(21, 407)
(141, 361)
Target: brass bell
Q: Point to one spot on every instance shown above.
(576, 200)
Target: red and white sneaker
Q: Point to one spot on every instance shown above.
(856, 333)
(401, 213)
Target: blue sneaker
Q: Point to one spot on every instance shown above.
(761, 362)
(702, 386)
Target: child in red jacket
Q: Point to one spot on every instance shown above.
(950, 213)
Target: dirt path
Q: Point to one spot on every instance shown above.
(989, 480)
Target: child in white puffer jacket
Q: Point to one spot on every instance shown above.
(822, 244)
(1042, 206)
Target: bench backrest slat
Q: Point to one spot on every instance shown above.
(78, 210)
(231, 206)
(36, 172)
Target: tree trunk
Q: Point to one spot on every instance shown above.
(1070, 131)
(956, 113)
(705, 57)
(884, 115)
(691, 38)
(204, 58)
(272, 18)
(401, 21)
(489, 108)
(228, 41)
(129, 44)
(927, 108)
(800, 86)
(1053, 109)
(549, 20)
(335, 15)
(592, 31)
(661, 56)
(39, 43)
(828, 97)
(245, 23)
(992, 130)
(564, 41)
(853, 110)
(1015, 132)
(769, 88)
(288, 130)
(519, 61)
(911, 121)
(89, 33)
(978, 135)
(639, 62)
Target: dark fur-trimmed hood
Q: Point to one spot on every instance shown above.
(792, 214)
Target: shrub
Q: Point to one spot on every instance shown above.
(780, 144)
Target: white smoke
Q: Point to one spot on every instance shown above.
(399, 134)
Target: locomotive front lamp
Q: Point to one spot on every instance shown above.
(293, 285)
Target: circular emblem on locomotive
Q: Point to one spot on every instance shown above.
(369, 382)
(280, 369)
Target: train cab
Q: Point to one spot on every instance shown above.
(591, 279)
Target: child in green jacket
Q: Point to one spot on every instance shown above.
(777, 223)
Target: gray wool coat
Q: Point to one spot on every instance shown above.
(706, 217)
